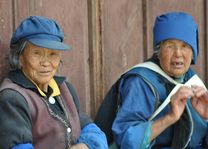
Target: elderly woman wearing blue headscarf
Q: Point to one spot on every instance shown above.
(182, 123)
(40, 110)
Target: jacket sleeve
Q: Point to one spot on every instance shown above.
(93, 137)
(23, 146)
(131, 128)
(15, 119)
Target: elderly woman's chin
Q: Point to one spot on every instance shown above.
(46, 74)
(42, 78)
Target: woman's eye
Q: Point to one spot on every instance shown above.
(54, 54)
(37, 53)
(170, 46)
(186, 46)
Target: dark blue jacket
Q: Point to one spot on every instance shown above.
(131, 127)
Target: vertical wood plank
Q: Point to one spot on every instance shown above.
(122, 37)
(6, 20)
(21, 11)
(95, 51)
(206, 42)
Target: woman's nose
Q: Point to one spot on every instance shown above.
(177, 51)
(45, 60)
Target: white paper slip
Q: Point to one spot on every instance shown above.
(195, 80)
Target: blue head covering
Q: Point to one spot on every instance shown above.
(177, 25)
(40, 31)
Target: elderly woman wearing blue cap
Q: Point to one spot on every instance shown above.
(180, 124)
(38, 109)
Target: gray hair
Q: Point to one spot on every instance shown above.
(157, 48)
(14, 55)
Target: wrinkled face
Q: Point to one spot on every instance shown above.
(39, 64)
(175, 57)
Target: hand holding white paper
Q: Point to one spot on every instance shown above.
(195, 80)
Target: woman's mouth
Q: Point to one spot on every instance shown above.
(177, 65)
(45, 73)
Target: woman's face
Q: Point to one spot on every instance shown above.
(175, 57)
(39, 64)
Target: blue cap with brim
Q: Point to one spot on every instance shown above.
(40, 31)
(177, 25)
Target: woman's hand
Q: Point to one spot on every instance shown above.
(178, 102)
(200, 101)
(79, 146)
(177, 106)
